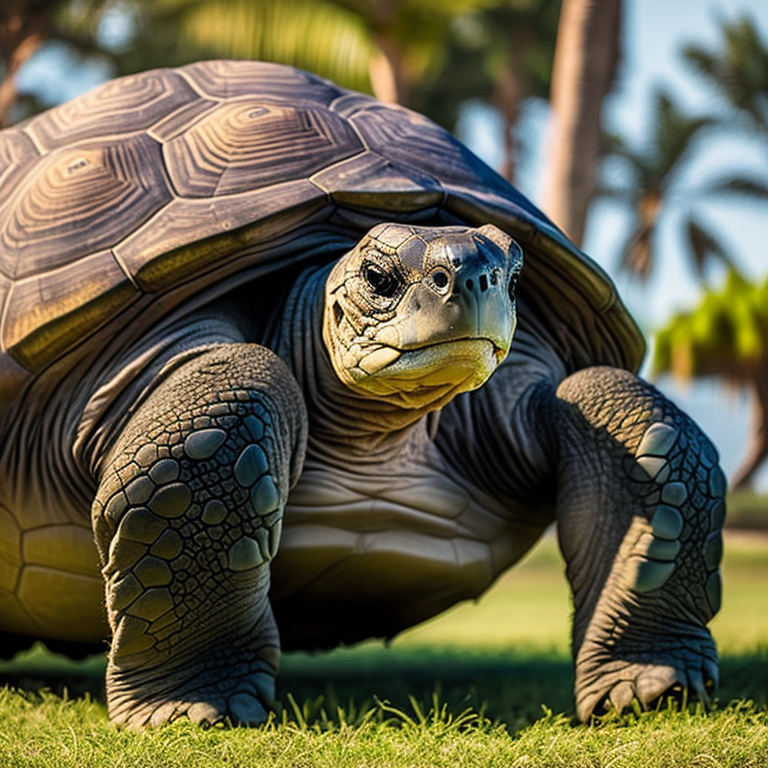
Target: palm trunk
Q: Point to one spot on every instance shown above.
(388, 79)
(22, 32)
(387, 70)
(757, 442)
(506, 98)
(586, 57)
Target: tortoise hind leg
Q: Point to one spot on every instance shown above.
(187, 518)
(640, 512)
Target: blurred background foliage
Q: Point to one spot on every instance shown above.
(431, 55)
(726, 336)
(436, 56)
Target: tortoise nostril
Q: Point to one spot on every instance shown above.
(483, 283)
(512, 287)
(470, 285)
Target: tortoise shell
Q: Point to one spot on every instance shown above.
(180, 183)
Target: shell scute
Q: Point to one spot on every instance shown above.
(49, 312)
(160, 257)
(369, 180)
(246, 145)
(175, 123)
(411, 140)
(79, 200)
(16, 152)
(131, 103)
(229, 79)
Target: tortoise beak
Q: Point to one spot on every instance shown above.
(476, 301)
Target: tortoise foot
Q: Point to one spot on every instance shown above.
(231, 697)
(187, 519)
(643, 539)
(647, 639)
(681, 673)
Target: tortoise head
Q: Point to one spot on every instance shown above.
(416, 315)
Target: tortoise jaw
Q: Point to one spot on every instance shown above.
(429, 376)
(386, 358)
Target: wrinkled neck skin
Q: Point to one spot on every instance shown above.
(343, 422)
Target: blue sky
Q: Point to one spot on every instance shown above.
(654, 32)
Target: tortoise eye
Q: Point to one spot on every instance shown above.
(440, 278)
(382, 283)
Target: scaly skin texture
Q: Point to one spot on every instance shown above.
(187, 518)
(437, 320)
(640, 512)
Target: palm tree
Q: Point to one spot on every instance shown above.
(653, 185)
(726, 335)
(588, 51)
(501, 54)
(738, 71)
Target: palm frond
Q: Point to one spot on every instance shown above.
(317, 35)
(725, 335)
(705, 247)
(637, 256)
(737, 69)
(738, 185)
(614, 146)
(674, 135)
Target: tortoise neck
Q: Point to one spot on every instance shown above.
(341, 420)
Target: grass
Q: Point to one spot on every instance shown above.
(483, 685)
(748, 509)
(74, 734)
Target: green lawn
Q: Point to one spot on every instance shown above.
(485, 684)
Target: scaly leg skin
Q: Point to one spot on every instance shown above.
(187, 518)
(640, 515)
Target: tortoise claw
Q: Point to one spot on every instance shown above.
(622, 695)
(201, 713)
(651, 686)
(657, 683)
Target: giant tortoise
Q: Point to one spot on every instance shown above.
(256, 344)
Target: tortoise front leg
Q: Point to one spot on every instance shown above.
(187, 518)
(640, 510)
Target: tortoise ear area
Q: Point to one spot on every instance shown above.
(511, 249)
(495, 235)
